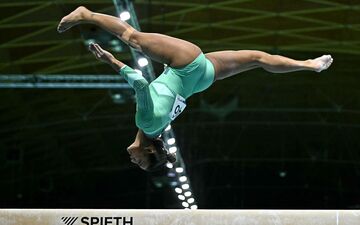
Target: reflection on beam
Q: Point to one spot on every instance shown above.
(178, 217)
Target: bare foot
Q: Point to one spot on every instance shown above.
(322, 63)
(72, 19)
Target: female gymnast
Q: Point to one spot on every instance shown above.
(189, 71)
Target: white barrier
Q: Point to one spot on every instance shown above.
(177, 217)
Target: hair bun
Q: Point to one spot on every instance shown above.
(171, 157)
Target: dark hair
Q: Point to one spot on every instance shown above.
(161, 157)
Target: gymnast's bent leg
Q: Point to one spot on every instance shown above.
(161, 48)
(229, 63)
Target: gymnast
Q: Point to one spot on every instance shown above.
(189, 71)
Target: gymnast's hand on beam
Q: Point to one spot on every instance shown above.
(101, 54)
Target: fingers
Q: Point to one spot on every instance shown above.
(92, 47)
(100, 53)
(95, 49)
(98, 48)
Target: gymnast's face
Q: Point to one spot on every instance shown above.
(140, 154)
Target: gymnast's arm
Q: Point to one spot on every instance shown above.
(135, 80)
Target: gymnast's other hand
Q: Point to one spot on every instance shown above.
(101, 54)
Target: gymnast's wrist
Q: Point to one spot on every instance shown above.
(113, 61)
(115, 64)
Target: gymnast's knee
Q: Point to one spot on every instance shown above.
(257, 57)
(131, 37)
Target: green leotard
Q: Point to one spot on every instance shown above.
(155, 100)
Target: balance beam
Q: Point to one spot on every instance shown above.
(177, 217)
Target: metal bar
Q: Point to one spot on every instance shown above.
(326, 2)
(30, 3)
(226, 22)
(27, 12)
(28, 24)
(63, 81)
(37, 43)
(29, 35)
(60, 77)
(66, 85)
(166, 15)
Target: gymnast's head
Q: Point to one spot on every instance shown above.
(149, 154)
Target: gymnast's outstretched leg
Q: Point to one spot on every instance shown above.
(229, 63)
(161, 48)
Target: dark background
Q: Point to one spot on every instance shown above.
(253, 141)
